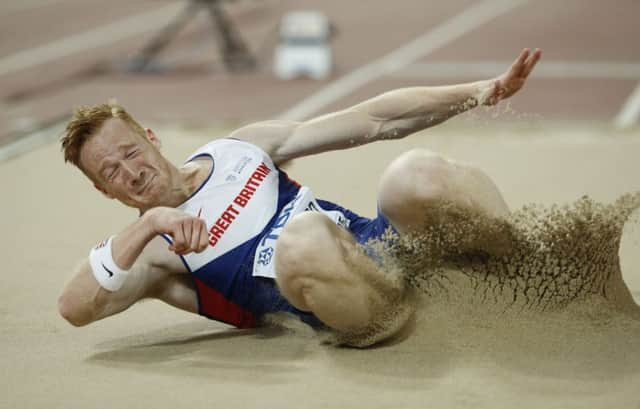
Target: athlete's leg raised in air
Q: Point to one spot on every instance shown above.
(416, 185)
(321, 269)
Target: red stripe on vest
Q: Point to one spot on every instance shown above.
(296, 184)
(215, 306)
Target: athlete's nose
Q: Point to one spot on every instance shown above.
(137, 178)
(134, 178)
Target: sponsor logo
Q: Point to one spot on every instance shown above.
(282, 219)
(242, 163)
(265, 251)
(232, 211)
(107, 270)
(342, 221)
(265, 256)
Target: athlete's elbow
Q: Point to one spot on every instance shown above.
(72, 312)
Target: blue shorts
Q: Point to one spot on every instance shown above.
(363, 229)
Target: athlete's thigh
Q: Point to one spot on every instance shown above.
(321, 268)
(311, 247)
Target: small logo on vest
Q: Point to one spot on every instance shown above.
(264, 257)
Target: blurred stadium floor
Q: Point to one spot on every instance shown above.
(57, 54)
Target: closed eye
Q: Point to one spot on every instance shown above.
(112, 173)
(131, 154)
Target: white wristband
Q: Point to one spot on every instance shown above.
(109, 275)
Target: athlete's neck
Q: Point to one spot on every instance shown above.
(194, 174)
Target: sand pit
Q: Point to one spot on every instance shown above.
(463, 349)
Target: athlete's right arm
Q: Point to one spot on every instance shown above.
(151, 268)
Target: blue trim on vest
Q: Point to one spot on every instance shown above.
(213, 166)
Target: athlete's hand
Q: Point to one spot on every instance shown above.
(189, 233)
(514, 78)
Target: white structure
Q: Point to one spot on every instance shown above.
(304, 48)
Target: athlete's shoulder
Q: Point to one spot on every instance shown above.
(226, 145)
(269, 136)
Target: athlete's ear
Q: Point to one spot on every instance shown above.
(151, 136)
(102, 190)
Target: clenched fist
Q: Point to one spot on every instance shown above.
(189, 233)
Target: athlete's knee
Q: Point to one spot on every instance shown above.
(305, 232)
(416, 177)
(312, 225)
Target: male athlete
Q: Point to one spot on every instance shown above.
(229, 236)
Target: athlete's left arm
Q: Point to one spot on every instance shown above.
(392, 115)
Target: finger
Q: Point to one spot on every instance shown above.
(195, 235)
(204, 237)
(518, 64)
(173, 246)
(177, 247)
(179, 241)
(535, 57)
(186, 231)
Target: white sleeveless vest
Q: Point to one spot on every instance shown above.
(238, 202)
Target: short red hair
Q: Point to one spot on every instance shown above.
(86, 122)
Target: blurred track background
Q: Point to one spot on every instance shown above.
(57, 54)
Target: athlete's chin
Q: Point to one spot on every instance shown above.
(149, 201)
(146, 201)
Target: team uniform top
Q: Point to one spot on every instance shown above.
(245, 202)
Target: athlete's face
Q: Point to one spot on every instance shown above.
(127, 166)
